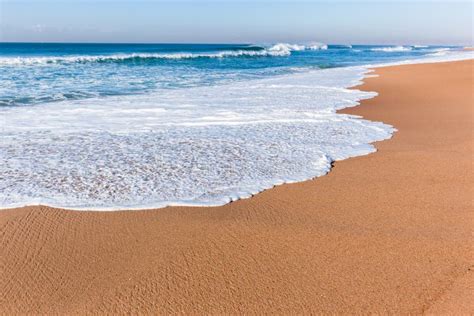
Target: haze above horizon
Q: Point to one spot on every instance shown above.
(361, 22)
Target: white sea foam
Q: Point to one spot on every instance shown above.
(441, 56)
(200, 146)
(194, 146)
(277, 50)
(317, 46)
(286, 47)
(135, 56)
(392, 49)
(297, 47)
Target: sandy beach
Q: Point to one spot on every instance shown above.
(390, 232)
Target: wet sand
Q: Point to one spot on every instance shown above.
(387, 232)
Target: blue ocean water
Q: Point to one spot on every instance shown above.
(38, 73)
(127, 126)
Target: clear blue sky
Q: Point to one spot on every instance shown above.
(212, 21)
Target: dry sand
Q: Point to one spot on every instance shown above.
(388, 232)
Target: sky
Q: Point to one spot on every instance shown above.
(238, 21)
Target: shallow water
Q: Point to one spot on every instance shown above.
(137, 126)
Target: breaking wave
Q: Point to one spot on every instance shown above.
(440, 52)
(277, 50)
(392, 49)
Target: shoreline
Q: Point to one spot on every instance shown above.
(368, 73)
(345, 242)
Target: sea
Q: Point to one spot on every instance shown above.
(135, 126)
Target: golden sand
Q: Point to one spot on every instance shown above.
(388, 232)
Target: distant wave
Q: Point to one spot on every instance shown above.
(440, 52)
(286, 49)
(136, 57)
(340, 46)
(392, 49)
(277, 50)
(317, 46)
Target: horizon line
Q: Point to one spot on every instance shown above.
(221, 43)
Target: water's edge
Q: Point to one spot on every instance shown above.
(237, 196)
(231, 199)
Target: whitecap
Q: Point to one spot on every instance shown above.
(392, 49)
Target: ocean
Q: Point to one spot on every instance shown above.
(131, 126)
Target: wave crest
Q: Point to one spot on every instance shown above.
(288, 48)
(392, 49)
(277, 50)
(439, 52)
(137, 56)
(317, 46)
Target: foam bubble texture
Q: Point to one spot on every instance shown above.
(197, 146)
